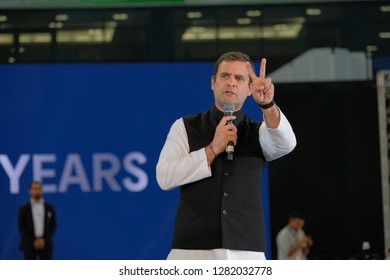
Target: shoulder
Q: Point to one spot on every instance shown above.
(25, 206)
(190, 118)
(195, 121)
(49, 206)
(283, 232)
(25, 209)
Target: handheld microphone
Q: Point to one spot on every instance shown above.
(229, 110)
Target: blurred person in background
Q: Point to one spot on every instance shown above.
(291, 241)
(37, 224)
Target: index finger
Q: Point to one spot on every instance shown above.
(252, 73)
(228, 118)
(262, 68)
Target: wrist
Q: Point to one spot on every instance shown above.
(212, 150)
(267, 106)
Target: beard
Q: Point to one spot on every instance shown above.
(37, 196)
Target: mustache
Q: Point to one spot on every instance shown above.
(229, 89)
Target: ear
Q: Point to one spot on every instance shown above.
(212, 82)
(250, 89)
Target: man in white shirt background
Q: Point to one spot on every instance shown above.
(292, 241)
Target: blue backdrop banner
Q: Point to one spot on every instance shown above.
(92, 133)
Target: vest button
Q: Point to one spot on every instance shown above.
(224, 212)
(226, 174)
(225, 194)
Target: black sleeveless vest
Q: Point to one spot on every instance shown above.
(224, 210)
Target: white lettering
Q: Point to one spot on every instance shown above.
(141, 175)
(106, 168)
(39, 173)
(73, 163)
(108, 174)
(14, 173)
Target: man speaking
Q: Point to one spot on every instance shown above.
(220, 212)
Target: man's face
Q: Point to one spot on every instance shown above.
(231, 84)
(297, 223)
(36, 190)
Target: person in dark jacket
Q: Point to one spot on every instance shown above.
(37, 224)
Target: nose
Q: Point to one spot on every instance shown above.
(231, 82)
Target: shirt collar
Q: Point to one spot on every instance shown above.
(218, 115)
(41, 202)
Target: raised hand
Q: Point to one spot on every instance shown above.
(262, 88)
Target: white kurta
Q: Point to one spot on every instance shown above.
(177, 166)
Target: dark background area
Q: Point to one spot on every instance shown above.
(333, 175)
(157, 33)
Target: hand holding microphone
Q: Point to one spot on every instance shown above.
(229, 111)
(225, 136)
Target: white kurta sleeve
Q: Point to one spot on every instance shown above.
(176, 165)
(277, 142)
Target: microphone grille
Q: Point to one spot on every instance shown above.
(228, 107)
